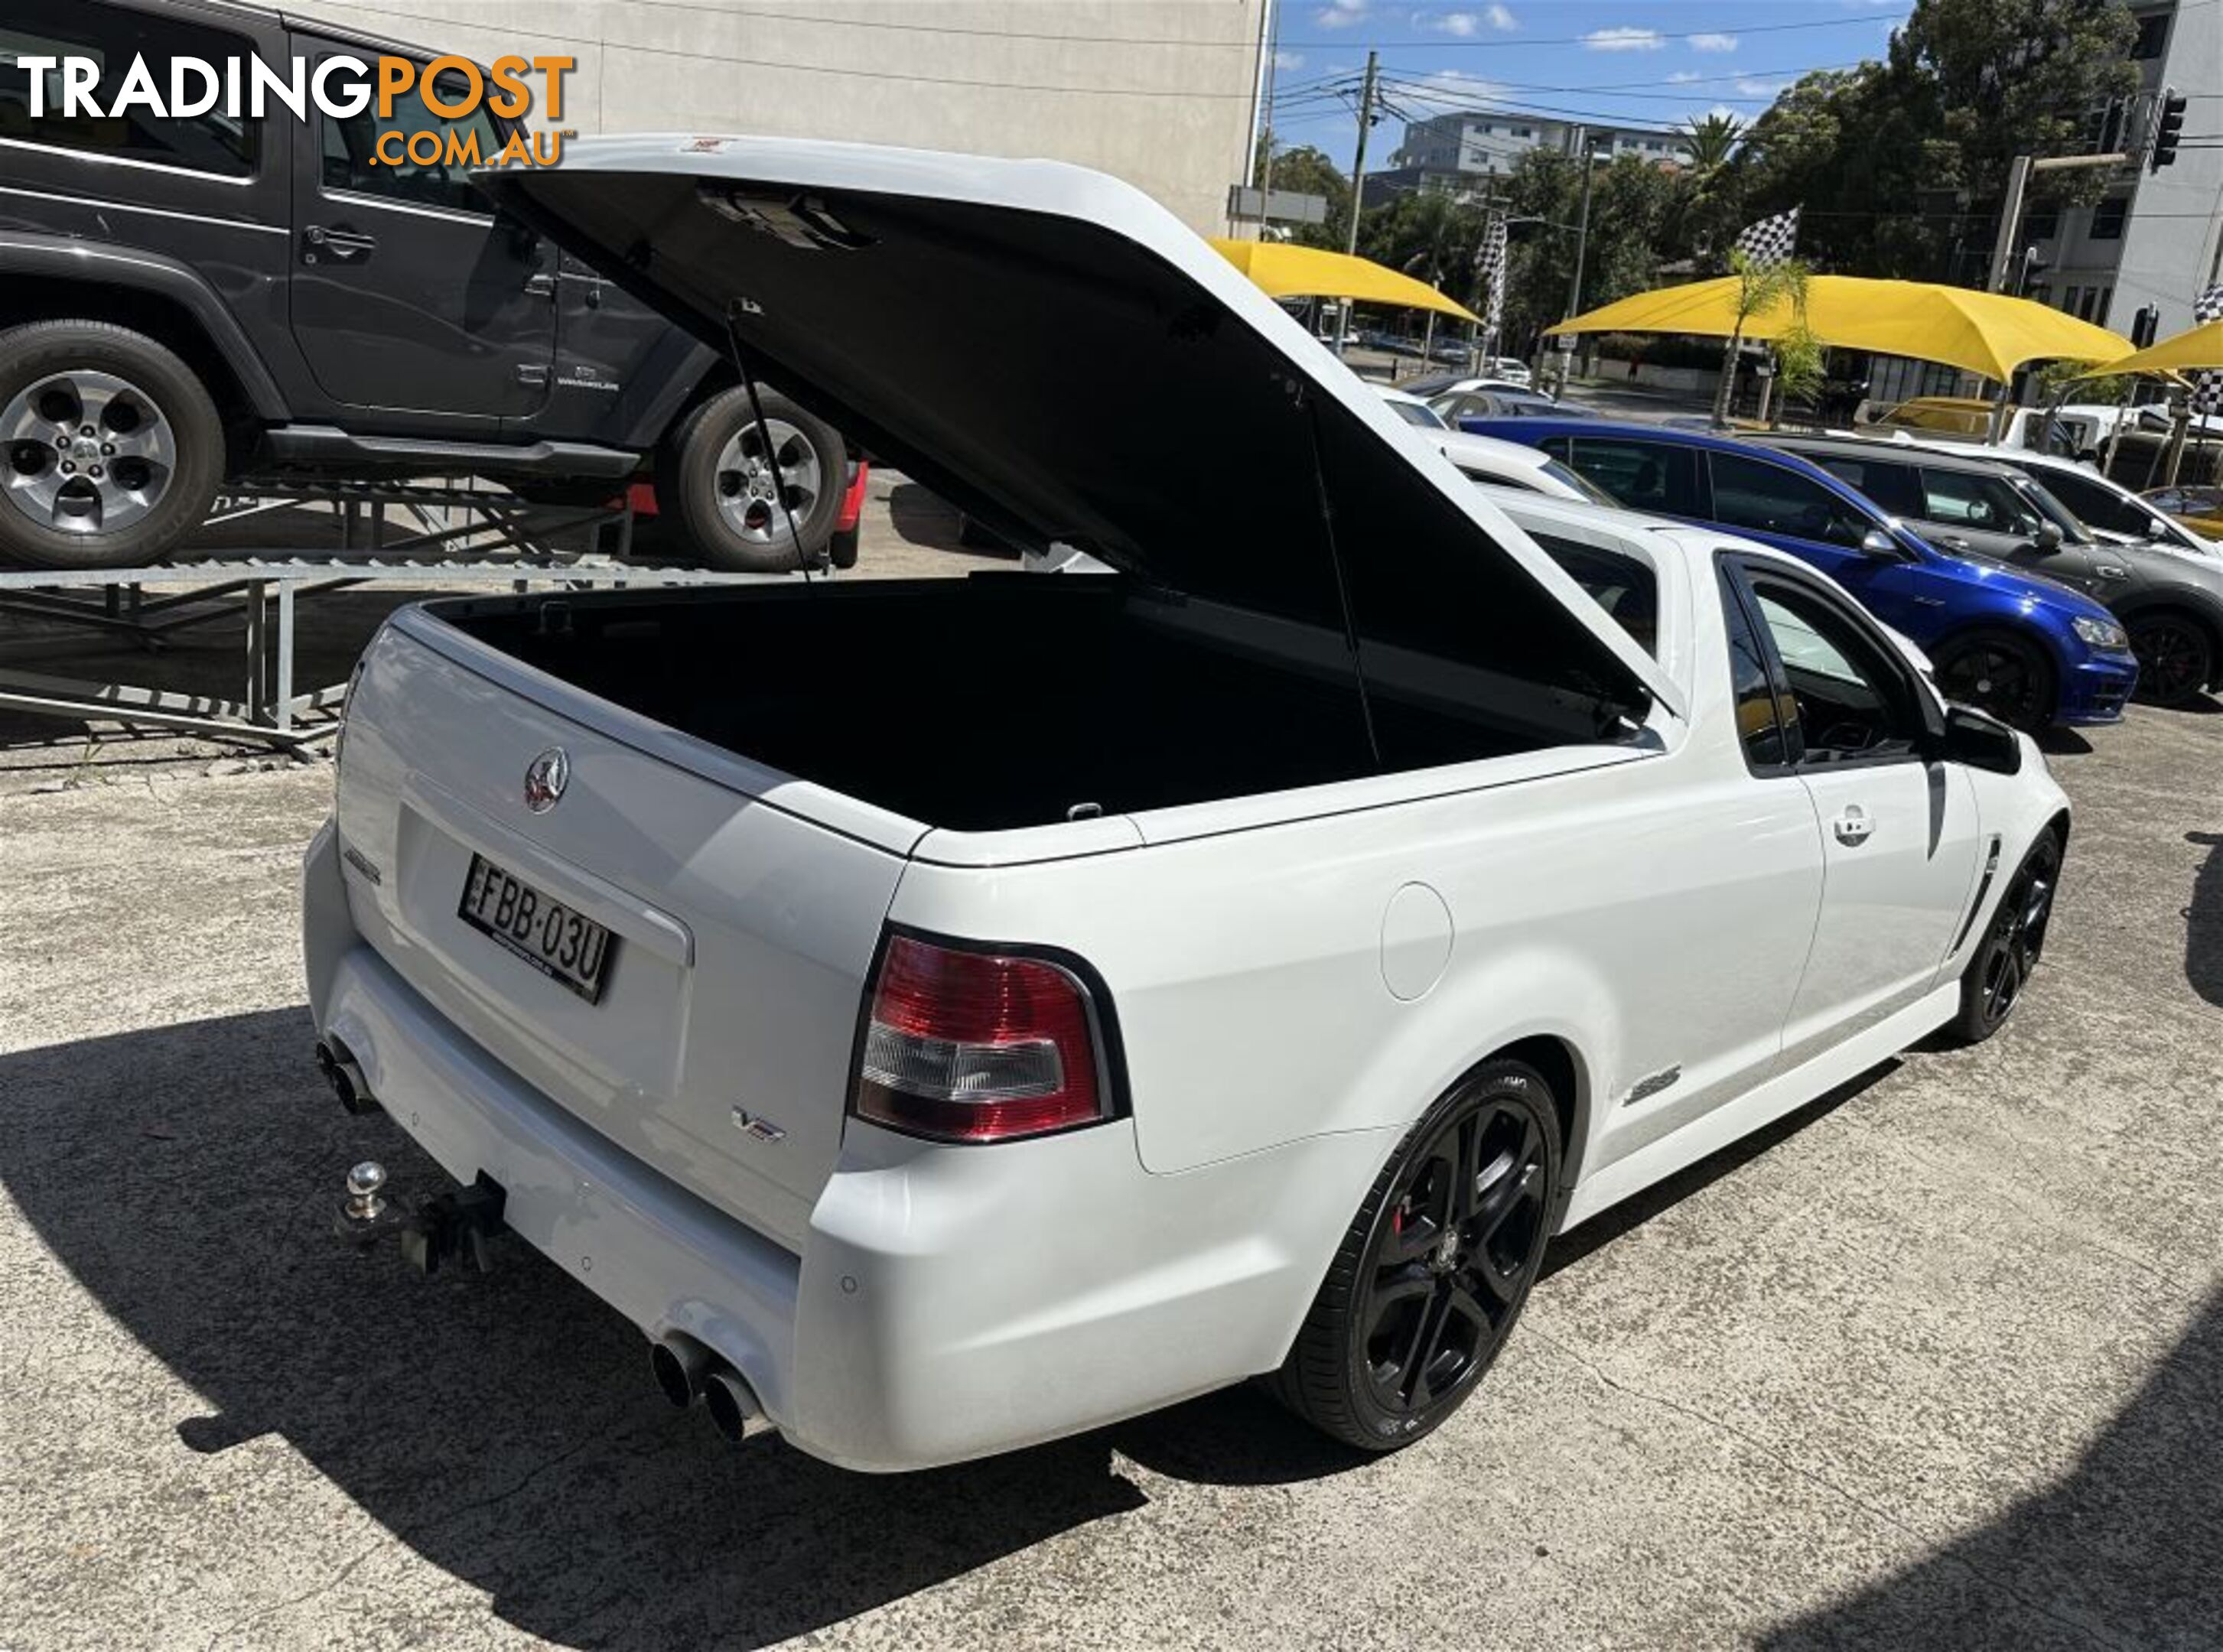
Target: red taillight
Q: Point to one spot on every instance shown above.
(977, 1046)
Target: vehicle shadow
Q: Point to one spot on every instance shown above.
(2119, 1552)
(504, 1428)
(2203, 920)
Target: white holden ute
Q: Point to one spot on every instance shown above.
(948, 1014)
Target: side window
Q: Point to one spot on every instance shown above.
(1773, 498)
(1656, 477)
(1976, 501)
(1890, 487)
(1621, 586)
(2095, 505)
(1854, 702)
(112, 37)
(437, 173)
(1765, 727)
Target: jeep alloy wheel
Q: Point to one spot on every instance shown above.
(88, 452)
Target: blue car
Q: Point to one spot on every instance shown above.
(2016, 645)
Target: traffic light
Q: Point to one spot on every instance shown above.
(2169, 129)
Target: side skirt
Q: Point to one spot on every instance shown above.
(1760, 1106)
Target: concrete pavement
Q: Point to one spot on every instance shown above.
(1939, 1362)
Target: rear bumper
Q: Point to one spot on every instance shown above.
(947, 1303)
(2096, 689)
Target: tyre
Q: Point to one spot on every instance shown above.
(1998, 672)
(715, 483)
(2001, 966)
(1435, 1268)
(2176, 657)
(110, 447)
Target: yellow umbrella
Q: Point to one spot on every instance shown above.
(1287, 272)
(2201, 347)
(1987, 333)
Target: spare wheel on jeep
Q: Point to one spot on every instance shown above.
(742, 497)
(110, 449)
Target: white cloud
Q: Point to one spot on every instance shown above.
(1451, 22)
(1467, 87)
(1500, 19)
(1726, 112)
(1684, 77)
(1752, 88)
(1623, 40)
(1713, 43)
(1288, 60)
(1340, 13)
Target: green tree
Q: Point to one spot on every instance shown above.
(1304, 170)
(1629, 204)
(1902, 163)
(1706, 208)
(1759, 288)
(1710, 141)
(1800, 370)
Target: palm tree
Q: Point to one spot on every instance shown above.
(1711, 140)
(1759, 288)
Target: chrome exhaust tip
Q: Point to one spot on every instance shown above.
(345, 1076)
(680, 1366)
(731, 1403)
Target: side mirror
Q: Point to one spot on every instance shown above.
(2048, 537)
(1876, 543)
(1981, 741)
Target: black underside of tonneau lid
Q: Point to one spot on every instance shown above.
(1063, 382)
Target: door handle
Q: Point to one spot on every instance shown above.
(540, 286)
(1853, 826)
(341, 246)
(1951, 542)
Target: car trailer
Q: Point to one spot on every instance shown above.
(465, 537)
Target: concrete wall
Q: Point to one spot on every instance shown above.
(1160, 92)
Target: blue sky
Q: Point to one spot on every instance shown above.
(1654, 62)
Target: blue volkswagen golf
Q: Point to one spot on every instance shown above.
(2016, 645)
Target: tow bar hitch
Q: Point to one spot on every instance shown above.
(462, 1223)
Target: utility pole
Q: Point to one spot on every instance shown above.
(1358, 160)
(1581, 249)
(2003, 249)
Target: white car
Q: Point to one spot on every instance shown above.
(1487, 459)
(1096, 992)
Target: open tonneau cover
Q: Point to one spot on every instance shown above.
(1062, 358)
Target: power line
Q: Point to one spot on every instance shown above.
(1499, 44)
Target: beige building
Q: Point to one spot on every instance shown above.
(1160, 93)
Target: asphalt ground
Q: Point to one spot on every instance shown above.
(1937, 1363)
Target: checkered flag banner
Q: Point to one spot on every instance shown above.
(2207, 397)
(1490, 267)
(1770, 240)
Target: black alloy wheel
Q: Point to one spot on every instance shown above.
(2176, 659)
(2003, 676)
(1435, 1271)
(2013, 941)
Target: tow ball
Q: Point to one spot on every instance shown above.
(458, 1225)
